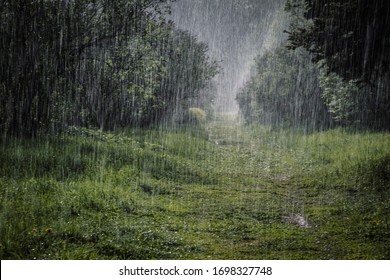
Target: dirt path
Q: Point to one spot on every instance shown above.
(230, 134)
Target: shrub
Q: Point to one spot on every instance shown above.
(195, 116)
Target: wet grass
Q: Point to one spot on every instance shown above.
(226, 193)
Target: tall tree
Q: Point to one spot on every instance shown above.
(97, 63)
(351, 35)
(352, 39)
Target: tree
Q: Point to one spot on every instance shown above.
(97, 63)
(350, 38)
(351, 35)
(285, 92)
(43, 47)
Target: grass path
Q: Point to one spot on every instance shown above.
(235, 192)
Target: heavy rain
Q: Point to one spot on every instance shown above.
(194, 129)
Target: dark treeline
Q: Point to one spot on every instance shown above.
(336, 70)
(95, 63)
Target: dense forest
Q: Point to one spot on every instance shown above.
(333, 70)
(102, 64)
(110, 64)
(183, 129)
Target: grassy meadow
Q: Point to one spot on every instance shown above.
(222, 191)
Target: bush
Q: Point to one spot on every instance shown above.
(195, 116)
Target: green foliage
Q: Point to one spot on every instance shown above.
(341, 97)
(189, 72)
(284, 92)
(349, 39)
(350, 35)
(102, 64)
(320, 87)
(351, 103)
(196, 116)
(300, 26)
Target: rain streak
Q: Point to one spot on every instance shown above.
(194, 129)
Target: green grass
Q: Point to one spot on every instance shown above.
(225, 193)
